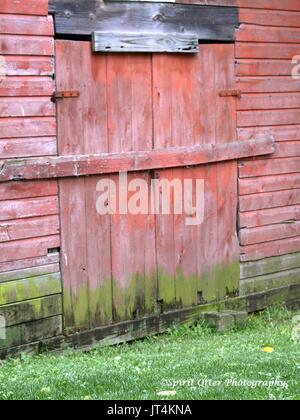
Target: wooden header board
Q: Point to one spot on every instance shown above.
(83, 17)
(144, 42)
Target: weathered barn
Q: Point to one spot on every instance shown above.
(204, 91)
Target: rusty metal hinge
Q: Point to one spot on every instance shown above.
(228, 93)
(65, 94)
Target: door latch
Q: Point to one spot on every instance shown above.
(228, 93)
(65, 94)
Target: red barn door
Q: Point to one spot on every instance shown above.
(120, 267)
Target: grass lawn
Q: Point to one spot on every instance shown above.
(195, 362)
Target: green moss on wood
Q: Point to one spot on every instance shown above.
(166, 289)
(137, 299)
(270, 265)
(31, 332)
(30, 288)
(31, 310)
(179, 291)
(146, 295)
(76, 309)
(270, 281)
(100, 304)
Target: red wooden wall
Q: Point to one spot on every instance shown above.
(30, 283)
(269, 188)
(267, 41)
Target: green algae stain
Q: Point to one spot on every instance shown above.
(166, 289)
(227, 280)
(76, 309)
(100, 304)
(186, 290)
(179, 291)
(29, 288)
(137, 299)
(91, 308)
(147, 295)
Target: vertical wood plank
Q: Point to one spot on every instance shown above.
(72, 193)
(162, 136)
(227, 270)
(181, 104)
(98, 227)
(206, 236)
(165, 252)
(132, 242)
(187, 104)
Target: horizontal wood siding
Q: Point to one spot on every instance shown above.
(267, 41)
(25, 7)
(30, 279)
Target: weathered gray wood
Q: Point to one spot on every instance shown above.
(270, 281)
(31, 310)
(54, 345)
(82, 17)
(31, 288)
(144, 42)
(29, 263)
(259, 301)
(32, 331)
(270, 265)
(29, 272)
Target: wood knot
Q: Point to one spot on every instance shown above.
(158, 17)
(68, 14)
